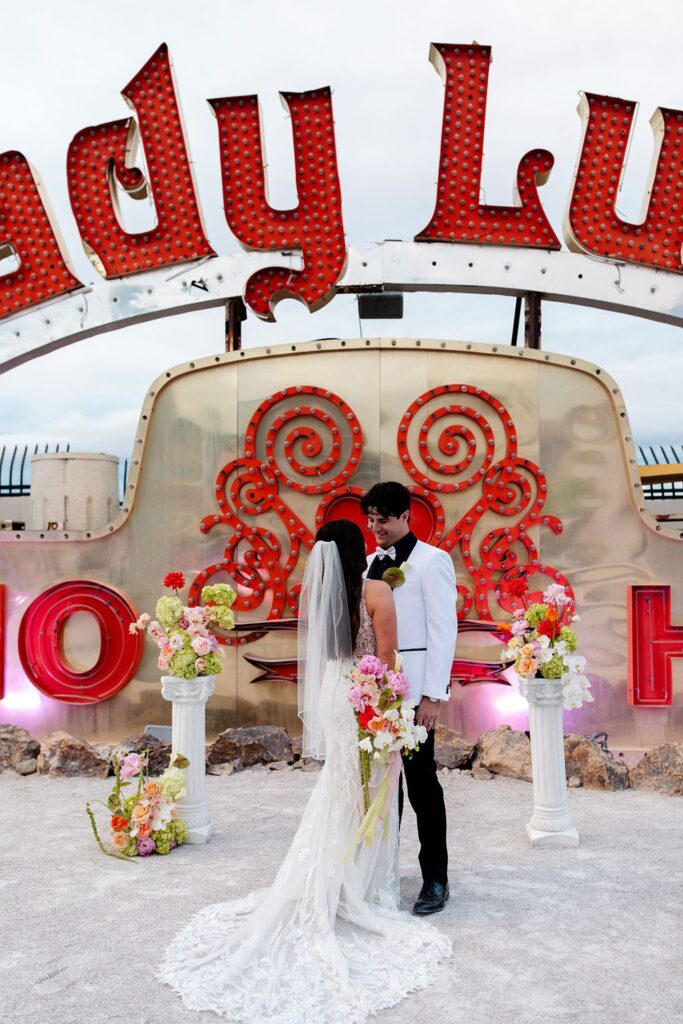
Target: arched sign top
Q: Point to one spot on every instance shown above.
(390, 266)
(302, 252)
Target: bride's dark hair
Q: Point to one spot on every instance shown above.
(351, 546)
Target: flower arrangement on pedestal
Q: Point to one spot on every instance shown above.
(541, 642)
(148, 821)
(184, 635)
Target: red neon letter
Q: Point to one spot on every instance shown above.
(459, 215)
(593, 225)
(314, 226)
(2, 640)
(40, 635)
(28, 234)
(102, 156)
(652, 643)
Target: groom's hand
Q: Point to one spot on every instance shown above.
(428, 713)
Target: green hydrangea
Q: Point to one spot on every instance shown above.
(212, 664)
(570, 638)
(554, 669)
(172, 782)
(536, 613)
(221, 593)
(178, 829)
(163, 841)
(183, 664)
(131, 848)
(128, 806)
(169, 611)
(224, 617)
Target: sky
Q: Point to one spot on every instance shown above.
(62, 66)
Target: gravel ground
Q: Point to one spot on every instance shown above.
(592, 934)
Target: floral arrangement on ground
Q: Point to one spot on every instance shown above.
(148, 821)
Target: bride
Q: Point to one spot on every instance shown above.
(326, 943)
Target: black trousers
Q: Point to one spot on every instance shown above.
(426, 799)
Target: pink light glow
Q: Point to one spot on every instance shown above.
(21, 697)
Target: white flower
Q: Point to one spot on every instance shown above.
(176, 642)
(575, 663)
(162, 814)
(543, 640)
(366, 744)
(383, 739)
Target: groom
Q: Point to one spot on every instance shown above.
(425, 600)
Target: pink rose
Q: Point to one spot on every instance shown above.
(369, 665)
(146, 846)
(176, 642)
(399, 684)
(164, 661)
(200, 664)
(519, 627)
(201, 645)
(130, 766)
(357, 698)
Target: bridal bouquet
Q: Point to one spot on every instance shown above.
(184, 635)
(386, 728)
(146, 822)
(541, 642)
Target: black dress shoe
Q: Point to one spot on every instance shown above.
(432, 898)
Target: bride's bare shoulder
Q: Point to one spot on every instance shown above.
(377, 594)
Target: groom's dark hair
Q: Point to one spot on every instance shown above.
(386, 499)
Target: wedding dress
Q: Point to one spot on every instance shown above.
(326, 943)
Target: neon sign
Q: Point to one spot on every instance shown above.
(101, 159)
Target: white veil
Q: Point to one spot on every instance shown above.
(324, 638)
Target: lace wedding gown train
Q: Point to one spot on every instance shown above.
(326, 943)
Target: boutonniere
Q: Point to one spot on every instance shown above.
(396, 577)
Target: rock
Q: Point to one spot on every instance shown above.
(482, 774)
(594, 767)
(221, 769)
(504, 752)
(451, 750)
(159, 752)
(16, 745)
(27, 766)
(66, 755)
(297, 746)
(259, 744)
(574, 782)
(660, 769)
(278, 766)
(311, 766)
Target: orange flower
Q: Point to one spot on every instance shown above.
(141, 810)
(118, 823)
(552, 614)
(119, 840)
(151, 789)
(143, 830)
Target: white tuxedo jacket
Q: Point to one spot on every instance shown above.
(427, 621)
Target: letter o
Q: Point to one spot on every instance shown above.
(40, 647)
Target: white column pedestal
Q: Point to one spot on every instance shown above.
(551, 822)
(189, 697)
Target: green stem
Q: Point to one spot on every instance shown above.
(107, 853)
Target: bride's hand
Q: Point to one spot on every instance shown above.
(428, 713)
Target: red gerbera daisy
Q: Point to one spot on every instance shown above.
(174, 580)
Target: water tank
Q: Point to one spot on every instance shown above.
(73, 491)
